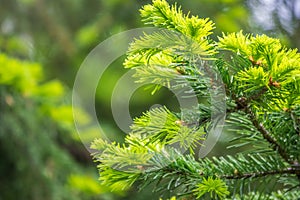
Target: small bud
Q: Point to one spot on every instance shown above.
(236, 172)
(273, 83)
(254, 62)
(276, 84)
(180, 70)
(140, 167)
(180, 122)
(286, 109)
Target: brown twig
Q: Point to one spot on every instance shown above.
(265, 133)
(262, 174)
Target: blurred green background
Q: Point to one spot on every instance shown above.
(42, 45)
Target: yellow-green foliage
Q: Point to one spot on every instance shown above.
(85, 184)
(261, 81)
(23, 76)
(215, 187)
(27, 78)
(268, 64)
(34, 111)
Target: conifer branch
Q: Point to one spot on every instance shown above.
(243, 104)
(258, 95)
(261, 87)
(260, 127)
(262, 174)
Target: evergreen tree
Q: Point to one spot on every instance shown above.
(261, 83)
(36, 129)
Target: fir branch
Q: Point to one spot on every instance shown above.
(260, 127)
(185, 170)
(257, 95)
(243, 103)
(162, 15)
(262, 76)
(262, 174)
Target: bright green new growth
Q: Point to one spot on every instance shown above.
(215, 187)
(261, 78)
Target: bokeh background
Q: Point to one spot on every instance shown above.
(42, 45)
